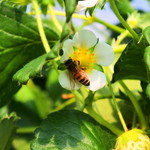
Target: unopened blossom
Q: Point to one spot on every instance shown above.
(84, 4)
(134, 19)
(88, 50)
(134, 139)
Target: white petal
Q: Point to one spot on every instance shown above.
(82, 5)
(97, 80)
(104, 53)
(84, 39)
(67, 50)
(67, 82)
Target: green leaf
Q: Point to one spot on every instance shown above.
(144, 20)
(20, 143)
(27, 112)
(70, 6)
(7, 130)
(131, 63)
(19, 43)
(110, 116)
(90, 10)
(65, 32)
(33, 68)
(70, 130)
(146, 34)
(44, 9)
(125, 7)
(148, 90)
(61, 67)
(60, 2)
(34, 99)
(53, 84)
(147, 57)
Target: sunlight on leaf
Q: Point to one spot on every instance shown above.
(33, 68)
(20, 43)
(70, 130)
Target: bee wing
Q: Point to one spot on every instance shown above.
(65, 81)
(74, 84)
(72, 81)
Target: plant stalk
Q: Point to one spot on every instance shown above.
(92, 19)
(54, 19)
(108, 25)
(97, 117)
(40, 27)
(124, 23)
(116, 106)
(121, 37)
(144, 124)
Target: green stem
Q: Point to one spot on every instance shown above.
(134, 120)
(122, 36)
(111, 26)
(91, 20)
(26, 130)
(79, 100)
(63, 105)
(54, 19)
(136, 105)
(124, 23)
(116, 106)
(96, 98)
(40, 26)
(98, 118)
(119, 48)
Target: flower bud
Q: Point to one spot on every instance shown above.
(133, 20)
(84, 4)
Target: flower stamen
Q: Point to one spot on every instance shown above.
(85, 52)
(85, 58)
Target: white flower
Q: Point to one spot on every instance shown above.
(86, 49)
(83, 4)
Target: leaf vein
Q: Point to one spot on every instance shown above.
(71, 136)
(21, 24)
(15, 36)
(89, 131)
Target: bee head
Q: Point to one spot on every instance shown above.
(68, 61)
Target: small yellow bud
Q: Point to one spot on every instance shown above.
(134, 139)
(133, 20)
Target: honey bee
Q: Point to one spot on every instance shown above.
(78, 73)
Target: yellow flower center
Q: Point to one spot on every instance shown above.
(85, 57)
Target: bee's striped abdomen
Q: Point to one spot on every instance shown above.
(78, 73)
(81, 78)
